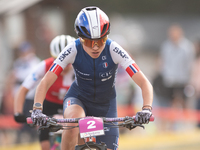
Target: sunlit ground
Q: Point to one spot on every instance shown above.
(189, 140)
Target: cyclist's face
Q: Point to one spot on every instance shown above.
(93, 47)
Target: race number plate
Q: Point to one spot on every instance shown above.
(91, 126)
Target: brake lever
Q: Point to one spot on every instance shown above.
(55, 128)
(130, 124)
(50, 124)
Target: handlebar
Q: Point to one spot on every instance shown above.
(75, 120)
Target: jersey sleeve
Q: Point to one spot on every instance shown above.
(67, 56)
(120, 56)
(35, 76)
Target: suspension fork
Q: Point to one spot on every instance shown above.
(90, 139)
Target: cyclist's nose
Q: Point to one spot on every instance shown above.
(95, 47)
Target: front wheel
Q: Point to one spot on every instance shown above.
(91, 146)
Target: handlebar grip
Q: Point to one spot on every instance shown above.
(29, 120)
(152, 118)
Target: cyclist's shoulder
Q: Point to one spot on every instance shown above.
(77, 43)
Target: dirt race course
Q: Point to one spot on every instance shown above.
(189, 140)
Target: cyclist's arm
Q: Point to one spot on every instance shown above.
(120, 56)
(146, 87)
(67, 56)
(29, 83)
(44, 85)
(19, 99)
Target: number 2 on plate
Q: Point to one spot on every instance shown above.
(92, 125)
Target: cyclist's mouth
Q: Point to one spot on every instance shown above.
(95, 53)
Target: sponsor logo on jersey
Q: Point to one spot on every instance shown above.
(64, 54)
(106, 75)
(84, 76)
(104, 79)
(120, 52)
(103, 57)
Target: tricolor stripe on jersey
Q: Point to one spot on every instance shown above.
(132, 69)
(56, 69)
(68, 103)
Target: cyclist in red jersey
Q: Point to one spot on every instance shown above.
(53, 103)
(95, 59)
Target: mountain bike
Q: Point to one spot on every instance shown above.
(90, 127)
(55, 137)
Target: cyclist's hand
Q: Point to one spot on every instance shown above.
(20, 118)
(38, 117)
(143, 117)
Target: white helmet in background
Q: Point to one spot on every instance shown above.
(59, 43)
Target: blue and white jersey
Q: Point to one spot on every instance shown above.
(94, 78)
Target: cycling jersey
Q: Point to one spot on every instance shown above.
(60, 87)
(94, 78)
(22, 67)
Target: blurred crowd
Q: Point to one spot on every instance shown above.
(176, 83)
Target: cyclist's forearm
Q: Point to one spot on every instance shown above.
(19, 99)
(146, 87)
(147, 94)
(43, 87)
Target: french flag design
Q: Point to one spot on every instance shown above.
(68, 103)
(56, 69)
(132, 69)
(105, 64)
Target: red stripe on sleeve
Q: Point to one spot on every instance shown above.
(136, 66)
(129, 71)
(57, 69)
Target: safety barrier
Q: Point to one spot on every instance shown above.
(8, 122)
(171, 114)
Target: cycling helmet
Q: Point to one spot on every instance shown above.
(59, 43)
(92, 23)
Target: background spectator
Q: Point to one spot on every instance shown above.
(195, 79)
(177, 56)
(26, 60)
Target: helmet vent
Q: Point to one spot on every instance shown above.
(77, 28)
(104, 29)
(66, 41)
(59, 45)
(85, 30)
(90, 8)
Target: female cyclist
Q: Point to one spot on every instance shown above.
(53, 102)
(95, 59)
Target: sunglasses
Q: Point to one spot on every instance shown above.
(92, 43)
